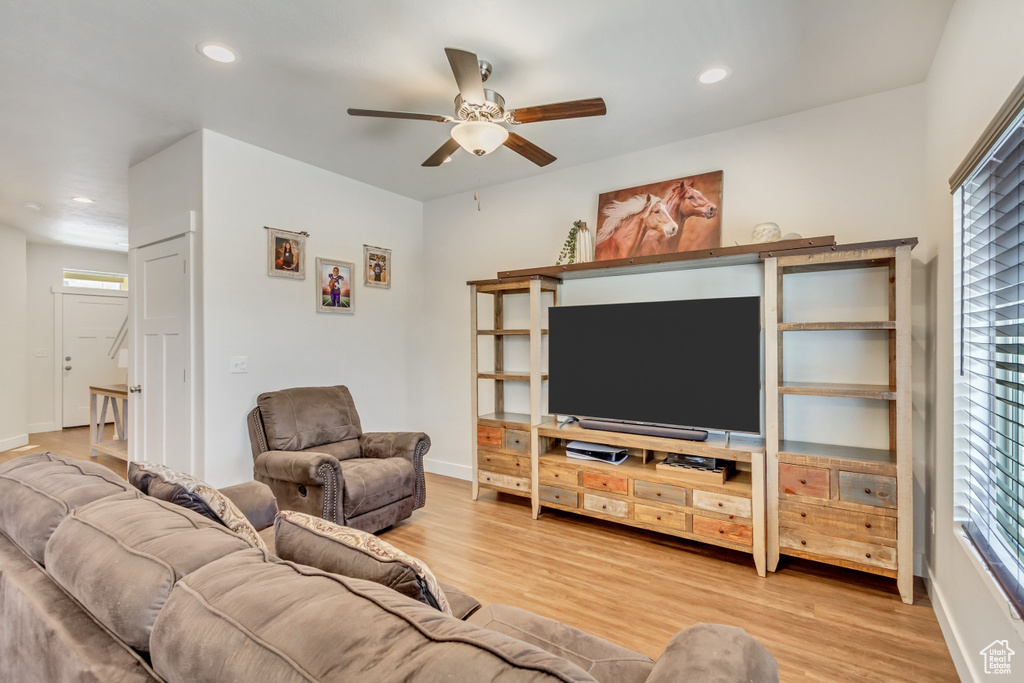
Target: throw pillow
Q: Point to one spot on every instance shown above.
(315, 542)
(182, 489)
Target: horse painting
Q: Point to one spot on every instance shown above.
(692, 203)
(628, 223)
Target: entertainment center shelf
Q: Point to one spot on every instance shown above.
(843, 505)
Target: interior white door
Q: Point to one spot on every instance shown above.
(89, 325)
(161, 427)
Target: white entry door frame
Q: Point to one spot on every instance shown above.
(164, 416)
(58, 341)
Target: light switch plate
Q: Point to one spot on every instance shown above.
(239, 364)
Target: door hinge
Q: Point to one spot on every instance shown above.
(184, 266)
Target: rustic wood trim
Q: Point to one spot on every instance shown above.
(904, 428)
(772, 406)
(666, 260)
(993, 131)
(853, 246)
(536, 386)
(474, 372)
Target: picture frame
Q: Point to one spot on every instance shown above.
(286, 254)
(335, 286)
(666, 217)
(377, 267)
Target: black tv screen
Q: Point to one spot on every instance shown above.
(694, 363)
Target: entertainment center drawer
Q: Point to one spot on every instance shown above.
(504, 481)
(663, 493)
(502, 462)
(867, 489)
(728, 531)
(605, 506)
(720, 502)
(659, 516)
(604, 482)
(551, 494)
(516, 440)
(488, 436)
(804, 481)
(857, 525)
(559, 476)
(852, 551)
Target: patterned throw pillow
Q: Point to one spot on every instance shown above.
(179, 488)
(315, 542)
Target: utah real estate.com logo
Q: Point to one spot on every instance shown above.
(997, 657)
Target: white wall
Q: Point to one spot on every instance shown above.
(13, 339)
(979, 61)
(852, 170)
(274, 322)
(46, 264)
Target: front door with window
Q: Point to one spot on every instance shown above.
(90, 324)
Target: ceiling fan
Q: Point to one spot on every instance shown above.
(478, 111)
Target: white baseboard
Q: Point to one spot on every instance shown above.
(14, 442)
(448, 469)
(37, 427)
(962, 660)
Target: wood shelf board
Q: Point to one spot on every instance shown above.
(838, 455)
(514, 285)
(843, 325)
(842, 256)
(509, 376)
(501, 333)
(872, 391)
(506, 419)
(116, 447)
(738, 483)
(657, 263)
(740, 448)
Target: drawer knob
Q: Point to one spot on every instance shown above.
(867, 555)
(658, 494)
(659, 518)
(867, 525)
(803, 481)
(868, 491)
(719, 505)
(803, 542)
(721, 531)
(604, 507)
(557, 496)
(803, 514)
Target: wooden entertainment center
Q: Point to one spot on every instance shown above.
(842, 505)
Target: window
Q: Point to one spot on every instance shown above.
(94, 280)
(990, 397)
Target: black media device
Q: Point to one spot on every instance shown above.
(693, 363)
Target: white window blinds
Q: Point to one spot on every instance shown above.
(990, 411)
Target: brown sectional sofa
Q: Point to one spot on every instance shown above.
(99, 582)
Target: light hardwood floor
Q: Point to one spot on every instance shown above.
(638, 588)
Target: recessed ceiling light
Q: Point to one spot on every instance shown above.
(81, 200)
(712, 75)
(218, 53)
(34, 206)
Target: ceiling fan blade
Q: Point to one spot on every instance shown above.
(522, 146)
(398, 115)
(563, 110)
(466, 68)
(442, 153)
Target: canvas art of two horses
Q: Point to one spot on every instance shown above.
(661, 218)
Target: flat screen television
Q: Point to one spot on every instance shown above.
(694, 363)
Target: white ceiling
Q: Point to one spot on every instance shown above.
(90, 87)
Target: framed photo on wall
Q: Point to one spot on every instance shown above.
(286, 254)
(376, 267)
(335, 291)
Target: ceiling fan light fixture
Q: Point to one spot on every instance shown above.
(479, 137)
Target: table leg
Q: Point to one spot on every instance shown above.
(118, 419)
(101, 426)
(92, 424)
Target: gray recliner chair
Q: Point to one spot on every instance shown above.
(310, 449)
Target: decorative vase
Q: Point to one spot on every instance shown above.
(584, 244)
(766, 232)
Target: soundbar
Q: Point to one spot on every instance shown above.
(645, 430)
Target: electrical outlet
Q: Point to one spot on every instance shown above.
(239, 364)
(40, 353)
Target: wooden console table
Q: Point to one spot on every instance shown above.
(111, 395)
(731, 514)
